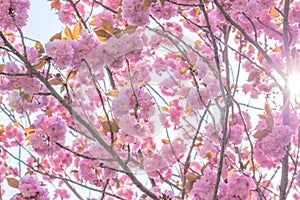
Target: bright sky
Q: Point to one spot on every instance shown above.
(42, 23)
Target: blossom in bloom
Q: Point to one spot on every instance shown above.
(239, 186)
(30, 187)
(121, 104)
(61, 52)
(236, 134)
(135, 12)
(129, 125)
(87, 170)
(12, 68)
(49, 131)
(12, 136)
(194, 101)
(274, 144)
(13, 8)
(165, 11)
(240, 5)
(173, 151)
(156, 163)
(60, 161)
(67, 14)
(32, 55)
(203, 188)
(62, 193)
(30, 85)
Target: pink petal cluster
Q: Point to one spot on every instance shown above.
(67, 14)
(17, 9)
(203, 189)
(133, 109)
(11, 136)
(70, 52)
(30, 85)
(135, 12)
(49, 131)
(273, 146)
(115, 50)
(60, 161)
(31, 188)
(197, 100)
(165, 11)
(156, 163)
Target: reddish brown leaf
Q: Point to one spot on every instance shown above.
(260, 134)
(113, 93)
(2, 67)
(77, 29)
(274, 12)
(56, 4)
(165, 141)
(114, 126)
(71, 74)
(41, 64)
(39, 47)
(252, 76)
(56, 81)
(56, 36)
(68, 33)
(12, 182)
(108, 26)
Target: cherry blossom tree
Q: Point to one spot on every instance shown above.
(151, 99)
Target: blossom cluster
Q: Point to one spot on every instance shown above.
(11, 136)
(70, 52)
(115, 50)
(273, 146)
(67, 14)
(236, 187)
(135, 12)
(49, 132)
(133, 109)
(13, 11)
(31, 188)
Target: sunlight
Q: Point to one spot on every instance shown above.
(294, 84)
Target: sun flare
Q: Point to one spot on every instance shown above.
(294, 84)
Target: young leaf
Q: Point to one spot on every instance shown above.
(56, 4)
(108, 26)
(113, 93)
(56, 36)
(12, 182)
(71, 74)
(274, 12)
(165, 141)
(39, 46)
(183, 70)
(252, 76)
(77, 30)
(41, 63)
(68, 32)
(102, 35)
(162, 2)
(2, 67)
(29, 131)
(130, 29)
(49, 112)
(56, 81)
(114, 126)
(260, 134)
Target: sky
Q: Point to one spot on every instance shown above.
(42, 22)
